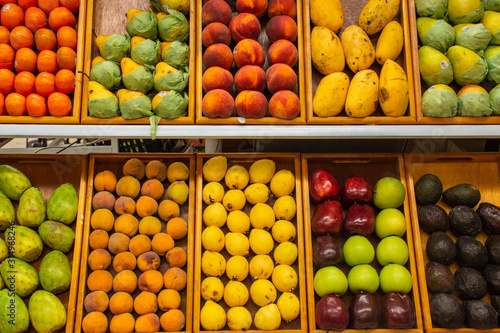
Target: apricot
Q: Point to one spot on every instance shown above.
(217, 103)
(103, 199)
(128, 186)
(145, 302)
(156, 170)
(124, 261)
(175, 278)
(139, 244)
(251, 104)
(149, 226)
(215, 33)
(177, 228)
(100, 280)
(134, 167)
(121, 302)
(282, 52)
(168, 209)
(148, 323)
(127, 224)
(97, 301)
(148, 260)
(216, 11)
(146, 206)
(102, 219)
(173, 320)
(217, 78)
(124, 205)
(118, 243)
(105, 181)
(122, 323)
(244, 25)
(281, 27)
(219, 55)
(95, 322)
(249, 52)
(284, 104)
(98, 239)
(151, 280)
(153, 188)
(99, 259)
(125, 281)
(282, 7)
(161, 243)
(169, 299)
(256, 7)
(280, 77)
(250, 78)
(176, 257)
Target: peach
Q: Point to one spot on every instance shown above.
(149, 226)
(217, 103)
(177, 228)
(249, 52)
(257, 7)
(98, 239)
(280, 77)
(244, 25)
(97, 301)
(139, 244)
(281, 27)
(250, 78)
(124, 260)
(169, 299)
(147, 323)
(216, 11)
(251, 104)
(121, 302)
(105, 181)
(124, 205)
(134, 167)
(128, 186)
(175, 278)
(282, 52)
(103, 199)
(124, 322)
(215, 33)
(217, 78)
(100, 280)
(282, 7)
(173, 320)
(176, 257)
(168, 209)
(125, 281)
(118, 243)
(153, 188)
(99, 259)
(218, 55)
(148, 261)
(145, 303)
(151, 280)
(127, 224)
(284, 104)
(95, 322)
(146, 206)
(102, 219)
(156, 170)
(161, 243)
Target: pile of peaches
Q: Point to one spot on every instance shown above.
(227, 40)
(138, 251)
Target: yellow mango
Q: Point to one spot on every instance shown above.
(97, 60)
(358, 48)
(362, 96)
(390, 42)
(162, 68)
(393, 93)
(326, 51)
(97, 91)
(376, 14)
(100, 40)
(157, 99)
(135, 41)
(126, 95)
(328, 14)
(164, 47)
(330, 96)
(128, 65)
(472, 88)
(159, 16)
(132, 13)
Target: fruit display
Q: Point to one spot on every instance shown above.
(249, 256)
(360, 68)
(249, 65)
(41, 60)
(137, 251)
(41, 207)
(361, 269)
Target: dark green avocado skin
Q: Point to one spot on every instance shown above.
(471, 252)
(490, 217)
(480, 315)
(462, 195)
(470, 284)
(441, 248)
(428, 189)
(433, 218)
(464, 221)
(446, 311)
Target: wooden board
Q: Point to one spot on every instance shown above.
(48, 172)
(283, 161)
(372, 167)
(478, 169)
(76, 96)
(264, 41)
(114, 163)
(109, 17)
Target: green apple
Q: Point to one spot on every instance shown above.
(392, 250)
(390, 221)
(388, 192)
(330, 280)
(363, 278)
(358, 250)
(395, 277)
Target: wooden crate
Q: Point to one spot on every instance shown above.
(372, 167)
(420, 87)
(47, 173)
(264, 41)
(76, 96)
(478, 169)
(114, 163)
(109, 17)
(352, 9)
(283, 161)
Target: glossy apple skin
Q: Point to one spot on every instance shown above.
(364, 312)
(359, 219)
(398, 311)
(327, 218)
(356, 190)
(323, 186)
(327, 251)
(332, 313)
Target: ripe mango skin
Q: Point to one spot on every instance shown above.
(358, 48)
(393, 90)
(376, 14)
(328, 14)
(390, 43)
(63, 204)
(326, 51)
(362, 96)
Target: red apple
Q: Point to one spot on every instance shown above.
(356, 189)
(359, 219)
(327, 218)
(332, 313)
(323, 186)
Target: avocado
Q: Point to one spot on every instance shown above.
(480, 314)
(471, 252)
(464, 221)
(492, 245)
(491, 274)
(439, 278)
(428, 189)
(446, 311)
(490, 217)
(495, 303)
(433, 218)
(470, 284)
(440, 248)
(462, 195)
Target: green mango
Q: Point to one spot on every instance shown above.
(14, 317)
(4, 252)
(472, 36)
(63, 204)
(140, 79)
(177, 55)
(492, 5)
(107, 73)
(32, 209)
(176, 80)
(465, 11)
(46, 311)
(57, 236)
(25, 242)
(55, 272)
(495, 100)
(468, 66)
(7, 212)
(492, 55)
(19, 276)
(435, 67)
(437, 9)
(473, 101)
(13, 182)
(436, 33)
(173, 27)
(146, 52)
(144, 24)
(439, 101)
(116, 47)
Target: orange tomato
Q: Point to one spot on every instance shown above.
(7, 58)
(25, 60)
(36, 105)
(45, 84)
(21, 37)
(48, 5)
(60, 17)
(72, 5)
(59, 105)
(6, 81)
(15, 104)
(66, 36)
(47, 62)
(66, 58)
(25, 4)
(45, 39)
(35, 19)
(65, 81)
(24, 83)
(4, 35)
(11, 16)
(2, 105)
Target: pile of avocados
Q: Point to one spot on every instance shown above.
(456, 299)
